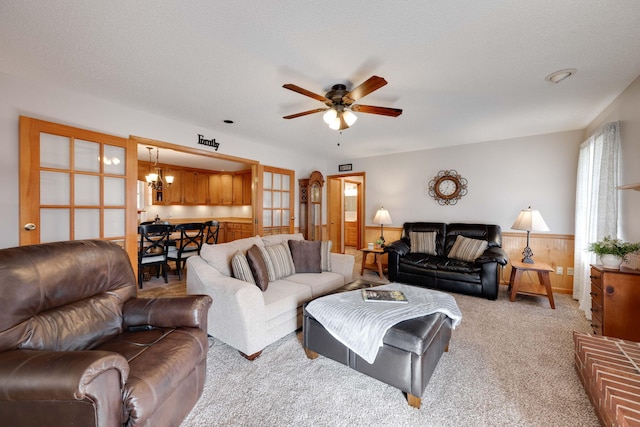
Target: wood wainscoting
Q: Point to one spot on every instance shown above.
(553, 249)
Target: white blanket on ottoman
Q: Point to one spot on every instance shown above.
(361, 325)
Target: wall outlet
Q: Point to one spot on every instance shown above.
(569, 271)
(559, 271)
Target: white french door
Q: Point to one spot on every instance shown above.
(76, 184)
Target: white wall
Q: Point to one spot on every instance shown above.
(19, 96)
(626, 109)
(504, 177)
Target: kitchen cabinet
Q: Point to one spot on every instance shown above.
(195, 188)
(615, 298)
(237, 230)
(226, 189)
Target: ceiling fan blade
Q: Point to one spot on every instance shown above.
(304, 113)
(383, 111)
(305, 92)
(373, 83)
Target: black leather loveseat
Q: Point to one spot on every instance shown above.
(436, 270)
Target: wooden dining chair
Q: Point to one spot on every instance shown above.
(189, 243)
(212, 230)
(153, 249)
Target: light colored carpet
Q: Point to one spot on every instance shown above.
(509, 364)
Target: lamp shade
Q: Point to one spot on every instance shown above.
(382, 217)
(530, 220)
(330, 116)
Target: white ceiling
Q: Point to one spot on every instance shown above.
(465, 71)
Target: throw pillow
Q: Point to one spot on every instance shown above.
(241, 269)
(466, 249)
(258, 267)
(278, 260)
(423, 242)
(325, 255)
(306, 255)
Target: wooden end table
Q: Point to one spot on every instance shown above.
(517, 268)
(376, 265)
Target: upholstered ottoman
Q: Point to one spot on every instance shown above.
(408, 357)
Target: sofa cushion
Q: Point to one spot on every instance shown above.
(325, 255)
(258, 267)
(241, 269)
(278, 261)
(284, 296)
(466, 249)
(306, 255)
(281, 238)
(423, 242)
(320, 284)
(219, 255)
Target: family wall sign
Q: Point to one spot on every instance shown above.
(208, 142)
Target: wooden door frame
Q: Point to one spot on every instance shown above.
(338, 198)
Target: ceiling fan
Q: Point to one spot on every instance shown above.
(340, 103)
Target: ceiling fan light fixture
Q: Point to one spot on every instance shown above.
(349, 117)
(330, 116)
(335, 124)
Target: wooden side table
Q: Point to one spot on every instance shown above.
(376, 265)
(517, 268)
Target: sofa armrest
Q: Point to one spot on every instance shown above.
(343, 264)
(57, 375)
(186, 311)
(400, 247)
(237, 316)
(493, 254)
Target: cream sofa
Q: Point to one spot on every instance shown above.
(242, 315)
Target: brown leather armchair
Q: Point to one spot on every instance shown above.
(77, 347)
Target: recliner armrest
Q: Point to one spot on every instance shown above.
(186, 311)
(493, 254)
(401, 247)
(55, 375)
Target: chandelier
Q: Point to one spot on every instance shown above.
(156, 180)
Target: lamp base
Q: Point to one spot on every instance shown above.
(528, 256)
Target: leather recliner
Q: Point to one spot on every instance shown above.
(77, 347)
(480, 277)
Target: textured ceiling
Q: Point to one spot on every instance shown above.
(463, 72)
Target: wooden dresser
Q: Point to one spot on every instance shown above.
(615, 302)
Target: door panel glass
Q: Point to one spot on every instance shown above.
(277, 199)
(267, 181)
(114, 191)
(266, 218)
(277, 218)
(86, 224)
(54, 225)
(54, 151)
(286, 182)
(87, 190)
(86, 156)
(54, 188)
(277, 181)
(114, 160)
(285, 200)
(266, 200)
(114, 222)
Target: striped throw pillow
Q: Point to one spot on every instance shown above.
(325, 255)
(278, 260)
(466, 249)
(423, 242)
(240, 268)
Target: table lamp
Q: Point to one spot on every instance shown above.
(529, 220)
(382, 217)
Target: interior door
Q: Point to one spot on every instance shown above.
(76, 184)
(335, 219)
(275, 211)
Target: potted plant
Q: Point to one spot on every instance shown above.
(613, 252)
(379, 243)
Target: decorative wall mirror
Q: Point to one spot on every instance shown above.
(311, 206)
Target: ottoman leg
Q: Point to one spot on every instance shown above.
(413, 400)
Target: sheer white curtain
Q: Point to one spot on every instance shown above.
(596, 204)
